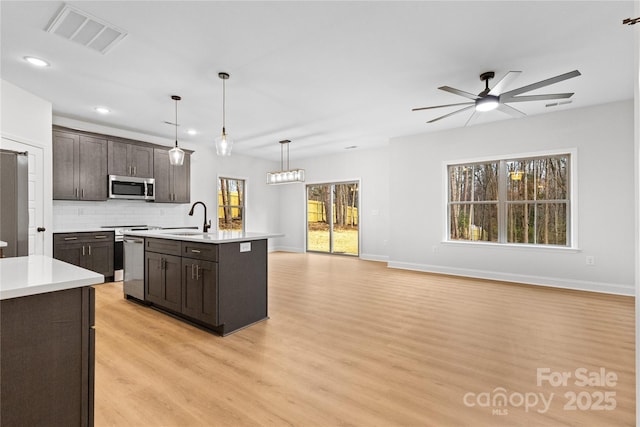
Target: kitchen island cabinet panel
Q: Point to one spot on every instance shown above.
(223, 276)
(47, 363)
(242, 289)
(163, 280)
(200, 290)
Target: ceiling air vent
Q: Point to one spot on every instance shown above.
(80, 27)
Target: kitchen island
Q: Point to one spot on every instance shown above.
(217, 281)
(47, 342)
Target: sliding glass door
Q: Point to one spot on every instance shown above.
(332, 218)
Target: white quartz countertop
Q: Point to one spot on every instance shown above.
(216, 237)
(38, 274)
(3, 244)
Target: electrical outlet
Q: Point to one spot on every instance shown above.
(590, 260)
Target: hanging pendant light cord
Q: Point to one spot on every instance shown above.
(288, 168)
(223, 106)
(176, 122)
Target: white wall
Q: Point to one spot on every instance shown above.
(262, 200)
(371, 168)
(603, 137)
(25, 118)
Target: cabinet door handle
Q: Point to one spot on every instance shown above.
(195, 251)
(70, 238)
(82, 250)
(89, 246)
(100, 237)
(192, 272)
(75, 193)
(82, 194)
(197, 272)
(135, 170)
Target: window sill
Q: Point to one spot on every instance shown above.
(515, 246)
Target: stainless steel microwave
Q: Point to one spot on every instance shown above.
(131, 188)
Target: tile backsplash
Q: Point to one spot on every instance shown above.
(73, 215)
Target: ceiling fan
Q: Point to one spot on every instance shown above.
(494, 98)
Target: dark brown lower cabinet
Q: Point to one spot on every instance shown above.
(90, 250)
(222, 287)
(163, 280)
(47, 346)
(200, 290)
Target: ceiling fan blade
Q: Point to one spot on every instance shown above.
(542, 83)
(451, 114)
(504, 82)
(537, 97)
(472, 118)
(459, 92)
(440, 106)
(510, 110)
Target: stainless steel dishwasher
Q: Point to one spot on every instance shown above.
(133, 283)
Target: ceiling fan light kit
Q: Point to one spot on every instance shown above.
(224, 144)
(496, 98)
(285, 176)
(487, 103)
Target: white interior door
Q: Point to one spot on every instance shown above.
(36, 192)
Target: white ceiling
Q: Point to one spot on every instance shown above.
(326, 75)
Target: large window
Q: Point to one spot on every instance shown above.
(525, 200)
(231, 193)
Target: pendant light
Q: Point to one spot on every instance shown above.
(224, 144)
(176, 155)
(285, 176)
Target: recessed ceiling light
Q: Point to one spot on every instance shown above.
(192, 132)
(102, 110)
(36, 61)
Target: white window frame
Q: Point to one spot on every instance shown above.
(572, 205)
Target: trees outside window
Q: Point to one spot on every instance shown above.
(511, 201)
(231, 204)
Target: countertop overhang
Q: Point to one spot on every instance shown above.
(38, 274)
(216, 237)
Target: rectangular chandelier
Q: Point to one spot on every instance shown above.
(285, 176)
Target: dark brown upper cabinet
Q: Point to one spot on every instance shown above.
(127, 159)
(79, 167)
(173, 183)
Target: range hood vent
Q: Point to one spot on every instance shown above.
(80, 27)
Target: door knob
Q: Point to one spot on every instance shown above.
(41, 229)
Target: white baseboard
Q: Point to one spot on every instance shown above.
(581, 285)
(373, 257)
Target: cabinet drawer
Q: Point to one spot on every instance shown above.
(203, 251)
(84, 237)
(163, 246)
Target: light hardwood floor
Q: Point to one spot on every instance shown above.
(353, 343)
